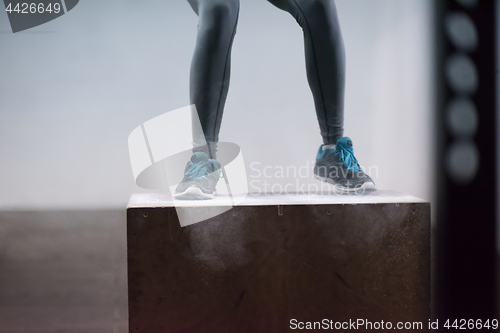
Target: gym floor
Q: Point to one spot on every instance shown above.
(63, 271)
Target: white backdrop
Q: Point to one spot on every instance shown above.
(73, 89)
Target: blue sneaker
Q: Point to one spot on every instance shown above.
(339, 167)
(200, 178)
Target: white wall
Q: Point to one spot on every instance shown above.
(72, 90)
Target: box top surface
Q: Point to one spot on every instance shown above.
(156, 200)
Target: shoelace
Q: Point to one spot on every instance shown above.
(347, 157)
(200, 170)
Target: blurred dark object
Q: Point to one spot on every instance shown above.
(465, 267)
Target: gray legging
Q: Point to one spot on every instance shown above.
(325, 61)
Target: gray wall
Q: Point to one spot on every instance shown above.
(72, 90)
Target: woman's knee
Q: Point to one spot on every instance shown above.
(220, 11)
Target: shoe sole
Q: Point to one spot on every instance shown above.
(368, 186)
(194, 193)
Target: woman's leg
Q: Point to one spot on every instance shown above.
(325, 61)
(211, 64)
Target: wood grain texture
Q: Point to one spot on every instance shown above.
(252, 270)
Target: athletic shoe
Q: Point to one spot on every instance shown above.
(200, 178)
(339, 167)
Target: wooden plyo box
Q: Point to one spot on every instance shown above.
(274, 259)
